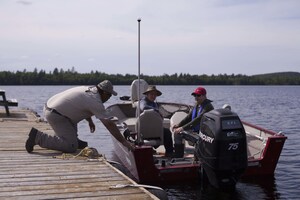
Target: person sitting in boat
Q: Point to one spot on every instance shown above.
(65, 110)
(148, 102)
(191, 122)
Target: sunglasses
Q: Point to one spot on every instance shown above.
(197, 95)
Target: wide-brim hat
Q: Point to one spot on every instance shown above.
(152, 88)
(107, 87)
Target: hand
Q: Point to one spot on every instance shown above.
(174, 127)
(130, 146)
(178, 130)
(92, 126)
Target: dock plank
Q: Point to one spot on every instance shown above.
(43, 174)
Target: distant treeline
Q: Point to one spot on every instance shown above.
(71, 77)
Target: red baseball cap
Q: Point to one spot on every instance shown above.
(199, 91)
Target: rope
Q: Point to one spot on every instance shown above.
(119, 186)
(88, 153)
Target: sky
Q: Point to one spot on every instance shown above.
(176, 36)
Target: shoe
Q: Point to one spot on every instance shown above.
(81, 144)
(31, 140)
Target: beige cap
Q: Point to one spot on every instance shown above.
(107, 87)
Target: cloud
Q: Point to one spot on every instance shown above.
(214, 36)
(25, 3)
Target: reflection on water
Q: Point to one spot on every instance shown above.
(273, 107)
(263, 188)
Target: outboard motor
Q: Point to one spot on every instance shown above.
(222, 148)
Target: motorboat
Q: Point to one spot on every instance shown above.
(253, 150)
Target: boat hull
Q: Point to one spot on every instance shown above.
(266, 164)
(142, 165)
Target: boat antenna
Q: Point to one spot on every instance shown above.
(139, 138)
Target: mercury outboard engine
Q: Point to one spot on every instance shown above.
(222, 148)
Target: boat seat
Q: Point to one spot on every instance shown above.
(135, 95)
(177, 117)
(151, 128)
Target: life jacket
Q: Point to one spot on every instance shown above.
(152, 104)
(146, 104)
(196, 114)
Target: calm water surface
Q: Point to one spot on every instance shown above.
(272, 107)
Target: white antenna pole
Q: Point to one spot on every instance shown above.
(139, 138)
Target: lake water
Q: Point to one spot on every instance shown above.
(272, 107)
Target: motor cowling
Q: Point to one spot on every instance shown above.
(222, 148)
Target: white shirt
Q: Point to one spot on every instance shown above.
(78, 103)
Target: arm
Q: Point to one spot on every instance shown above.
(177, 128)
(91, 124)
(188, 123)
(207, 107)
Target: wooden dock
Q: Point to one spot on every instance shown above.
(40, 175)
